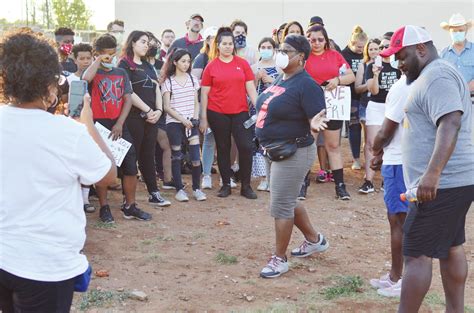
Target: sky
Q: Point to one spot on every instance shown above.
(103, 11)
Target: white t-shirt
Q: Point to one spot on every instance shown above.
(182, 97)
(72, 77)
(44, 160)
(395, 111)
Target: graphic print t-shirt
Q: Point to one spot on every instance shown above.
(387, 77)
(284, 108)
(144, 81)
(354, 59)
(107, 90)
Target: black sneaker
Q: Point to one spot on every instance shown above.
(156, 198)
(341, 192)
(133, 212)
(105, 215)
(224, 192)
(248, 193)
(302, 195)
(367, 187)
(169, 185)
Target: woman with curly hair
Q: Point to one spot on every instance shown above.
(42, 229)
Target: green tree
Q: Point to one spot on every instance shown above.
(47, 14)
(71, 13)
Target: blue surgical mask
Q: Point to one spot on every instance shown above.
(458, 36)
(107, 65)
(266, 54)
(240, 41)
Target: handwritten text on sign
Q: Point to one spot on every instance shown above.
(338, 103)
(119, 147)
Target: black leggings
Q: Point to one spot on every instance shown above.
(144, 140)
(25, 295)
(223, 126)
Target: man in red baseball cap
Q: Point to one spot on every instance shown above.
(438, 167)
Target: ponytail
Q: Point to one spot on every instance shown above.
(214, 50)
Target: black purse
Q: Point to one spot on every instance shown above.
(281, 150)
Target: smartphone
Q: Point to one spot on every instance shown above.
(77, 90)
(378, 61)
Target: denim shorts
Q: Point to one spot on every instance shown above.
(394, 185)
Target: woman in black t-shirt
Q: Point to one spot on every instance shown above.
(147, 109)
(354, 56)
(287, 111)
(379, 81)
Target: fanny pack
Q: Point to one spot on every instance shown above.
(280, 150)
(81, 283)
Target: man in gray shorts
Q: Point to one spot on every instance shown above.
(438, 166)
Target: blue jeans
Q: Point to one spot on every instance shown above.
(208, 148)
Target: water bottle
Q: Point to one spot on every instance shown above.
(248, 123)
(409, 195)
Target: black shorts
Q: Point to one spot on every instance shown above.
(129, 163)
(335, 125)
(19, 294)
(432, 228)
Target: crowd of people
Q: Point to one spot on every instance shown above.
(257, 112)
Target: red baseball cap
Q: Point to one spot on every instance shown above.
(405, 36)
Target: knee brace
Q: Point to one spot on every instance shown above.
(176, 155)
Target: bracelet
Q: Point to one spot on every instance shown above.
(149, 111)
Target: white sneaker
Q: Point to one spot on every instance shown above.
(356, 166)
(181, 196)
(206, 182)
(199, 195)
(383, 282)
(275, 267)
(307, 248)
(393, 291)
(264, 186)
(232, 183)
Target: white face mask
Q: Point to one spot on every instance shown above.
(458, 36)
(393, 62)
(282, 60)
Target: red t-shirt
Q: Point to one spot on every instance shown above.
(228, 94)
(325, 66)
(107, 90)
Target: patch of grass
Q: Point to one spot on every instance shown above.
(345, 286)
(223, 258)
(102, 225)
(101, 298)
(434, 299)
(250, 282)
(165, 238)
(468, 309)
(147, 242)
(154, 257)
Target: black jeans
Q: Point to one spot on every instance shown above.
(144, 140)
(223, 126)
(25, 295)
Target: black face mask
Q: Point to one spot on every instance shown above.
(152, 52)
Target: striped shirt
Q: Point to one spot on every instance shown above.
(182, 97)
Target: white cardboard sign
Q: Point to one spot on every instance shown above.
(119, 147)
(338, 103)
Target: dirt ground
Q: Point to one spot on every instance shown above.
(206, 256)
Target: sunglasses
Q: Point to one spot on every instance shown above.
(314, 40)
(384, 46)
